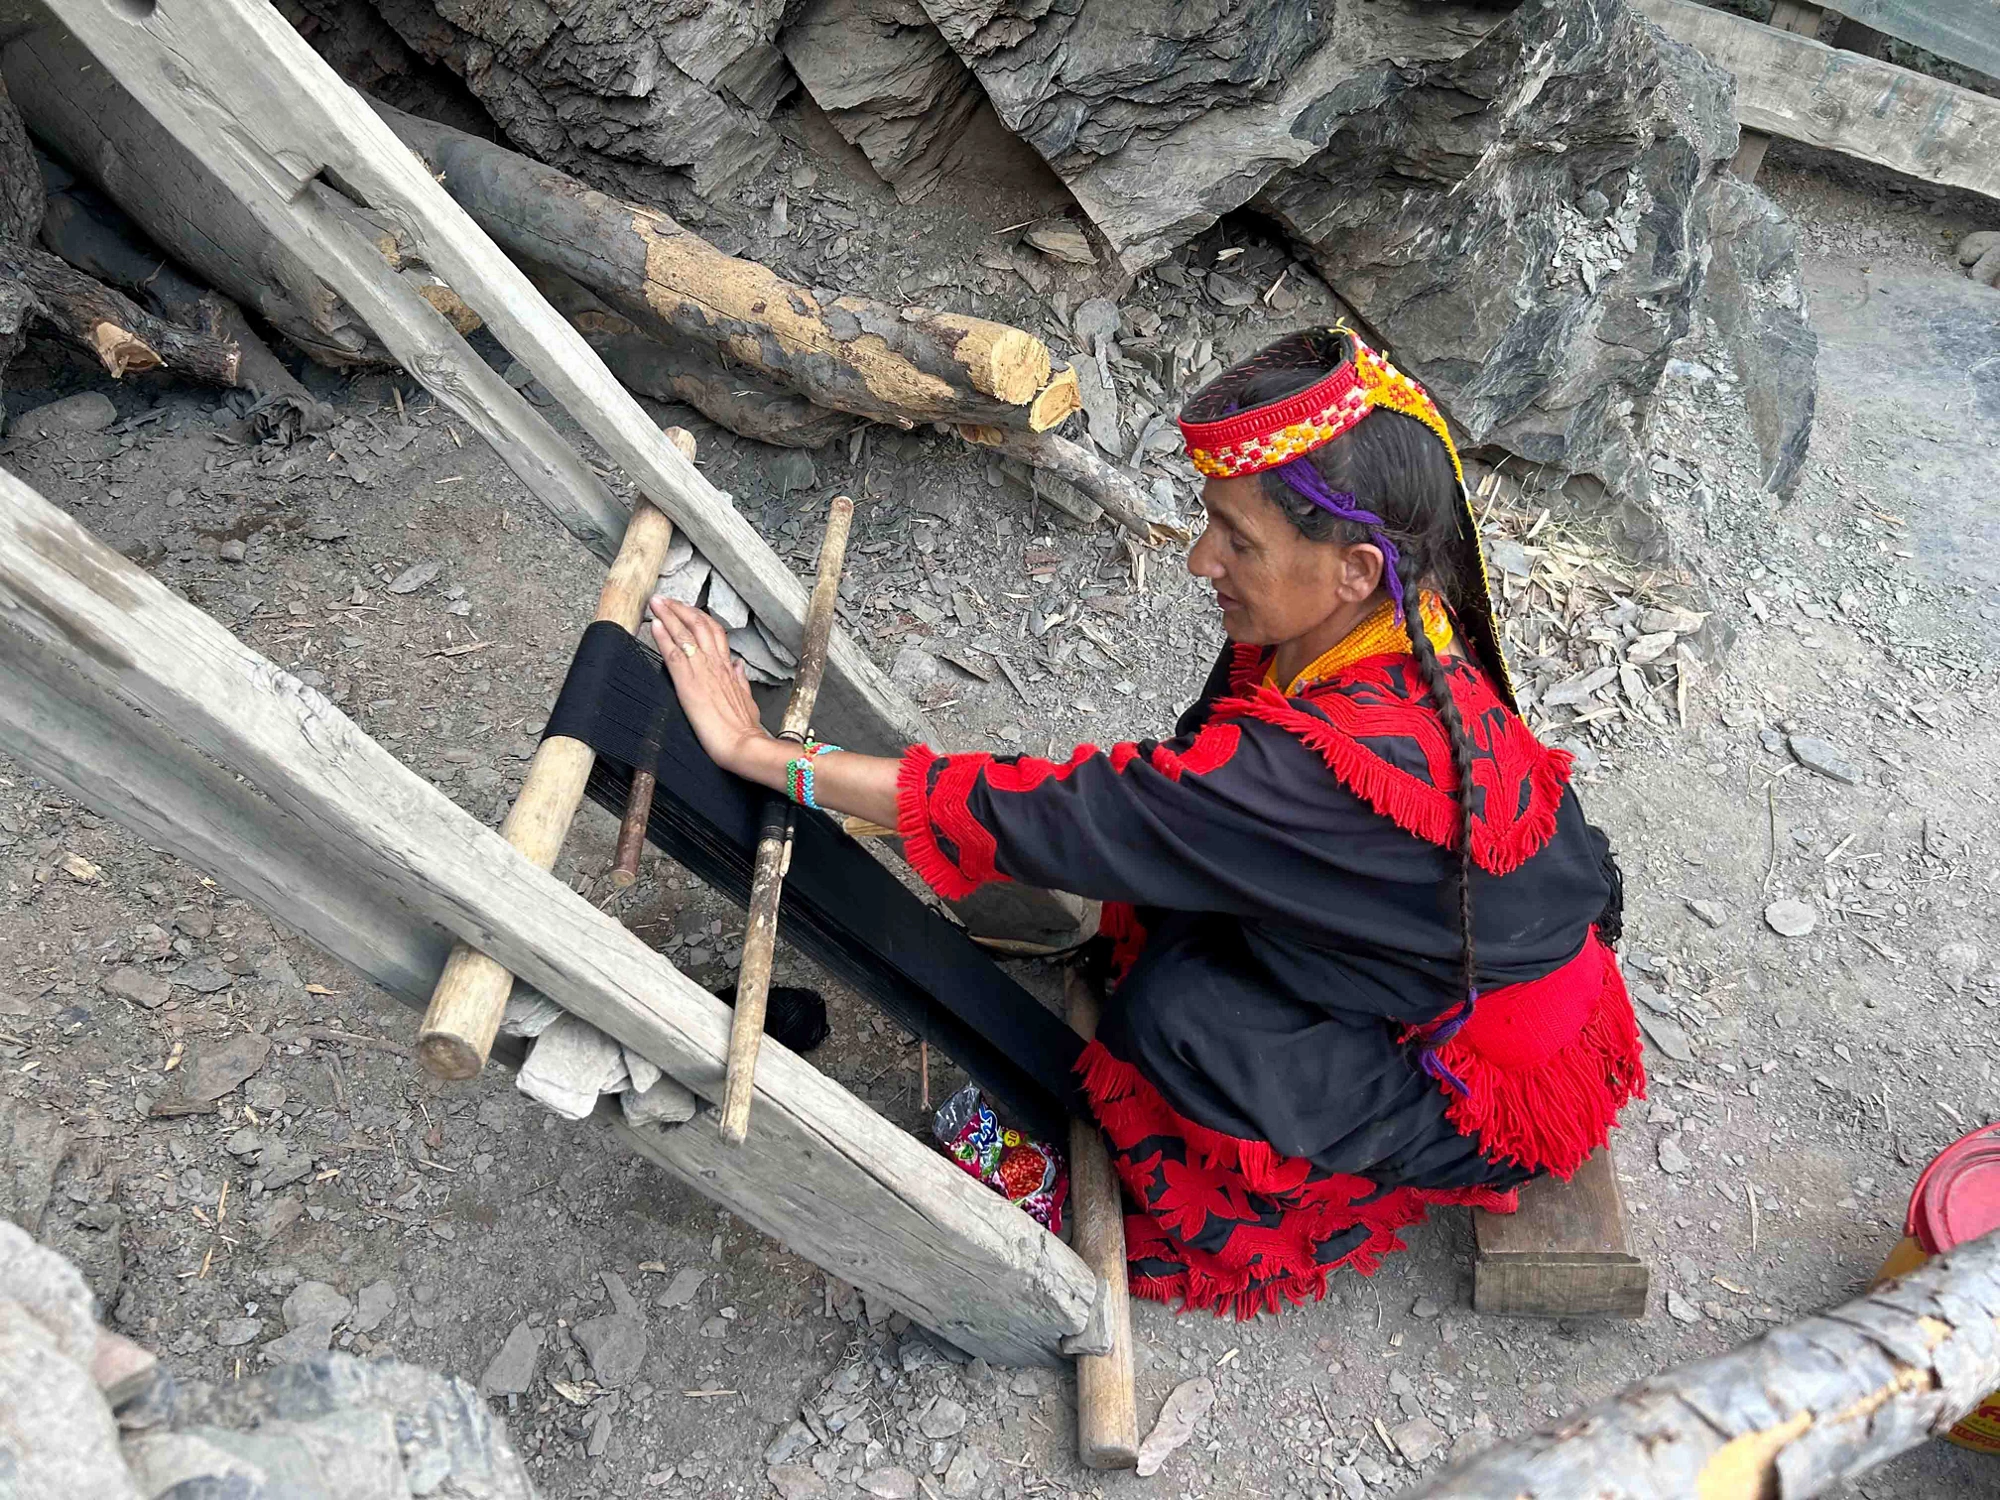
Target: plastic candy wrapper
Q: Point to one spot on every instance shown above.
(1030, 1175)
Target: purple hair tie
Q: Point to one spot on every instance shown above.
(1305, 480)
(1433, 1064)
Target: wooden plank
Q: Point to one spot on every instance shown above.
(1567, 1252)
(233, 82)
(1963, 31)
(1786, 15)
(141, 705)
(1792, 1413)
(1806, 91)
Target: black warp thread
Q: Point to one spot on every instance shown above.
(841, 908)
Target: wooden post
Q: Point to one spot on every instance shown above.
(1107, 1416)
(1792, 1413)
(138, 704)
(774, 843)
(471, 994)
(1566, 1252)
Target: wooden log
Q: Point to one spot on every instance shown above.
(676, 369)
(774, 845)
(900, 365)
(1786, 15)
(143, 707)
(1116, 490)
(1107, 1413)
(82, 113)
(110, 327)
(1806, 91)
(93, 235)
(1792, 1413)
(471, 995)
(1567, 1252)
(21, 196)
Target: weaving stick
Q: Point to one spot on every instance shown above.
(1107, 1415)
(632, 828)
(774, 839)
(471, 994)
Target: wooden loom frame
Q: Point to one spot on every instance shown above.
(138, 703)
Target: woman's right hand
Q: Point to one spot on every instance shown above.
(713, 692)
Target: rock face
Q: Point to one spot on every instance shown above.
(888, 83)
(1521, 226)
(645, 97)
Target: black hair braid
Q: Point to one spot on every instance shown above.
(1439, 686)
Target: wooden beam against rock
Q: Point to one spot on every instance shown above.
(276, 144)
(1792, 1413)
(140, 705)
(901, 365)
(1801, 89)
(1963, 31)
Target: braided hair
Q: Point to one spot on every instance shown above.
(1395, 466)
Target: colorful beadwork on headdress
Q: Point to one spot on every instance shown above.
(1248, 442)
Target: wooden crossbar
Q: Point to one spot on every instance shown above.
(142, 706)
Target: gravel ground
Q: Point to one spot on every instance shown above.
(1821, 739)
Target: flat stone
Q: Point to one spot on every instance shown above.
(1709, 911)
(1673, 1160)
(889, 1484)
(1681, 1310)
(91, 411)
(203, 977)
(680, 1292)
(232, 1333)
(512, 1370)
(1061, 240)
(793, 1439)
(726, 604)
(372, 1304)
(795, 1482)
(1426, 1307)
(1824, 758)
(615, 1342)
(1666, 1035)
(790, 471)
(216, 1070)
(245, 1142)
(1511, 558)
(1650, 648)
(301, 1343)
(1094, 318)
(968, 1470)
(1417, 1439)
(945, 1419)
(1790, 918)
(316, 1302)
(1578, 689)
(140, 986)
(415, 576)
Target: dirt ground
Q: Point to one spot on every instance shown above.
(1798, 1083)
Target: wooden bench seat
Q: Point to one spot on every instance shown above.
(1567, 1253)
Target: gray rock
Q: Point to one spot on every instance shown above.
(1417, 1439)
(793, 1439)
(372, 1304)
(681, 1291)
(140, 986)
(1094, 318)
(945, 1419)
(316, 1302)
(1710, 912)
(914, 668)
(1680, 1309)
(91, 411)
(1061, 240)
(203, 977)
(790, 471)
(244, 1142)
(512, 1370)
(1789, 918)
(302, 1342)
(889, 1484)
(264, 1094)
(1350, 1483)
(1578, 689)
(232, 1333)
(1511, 558)
(1426, 1307)
(795, 1482)
(1100, 409)
(967, 1471)
(218, 1068)
(415, 576)
(616, 1341)
(1673, 1160)
(1666, 1035)
(1955, 963)
(1823, 757)
(685, 583)
(726, 604)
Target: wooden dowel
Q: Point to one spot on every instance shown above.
(632, 830)
(471, 994)
(774, 844)
(1107, 1414)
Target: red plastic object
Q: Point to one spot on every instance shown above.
(1958, 1196)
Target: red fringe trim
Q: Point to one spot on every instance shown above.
(1551, 1115)
(1130, 1109)
(1418, 808)
(913, 823)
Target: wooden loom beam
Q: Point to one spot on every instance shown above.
(141, 705)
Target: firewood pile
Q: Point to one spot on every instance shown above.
(1523, 204)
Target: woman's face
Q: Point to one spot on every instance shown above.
(1272, 583)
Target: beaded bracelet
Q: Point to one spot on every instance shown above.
(799, 773)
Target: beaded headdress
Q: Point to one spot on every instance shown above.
(1227, 441)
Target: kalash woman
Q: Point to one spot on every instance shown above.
(1359, 920)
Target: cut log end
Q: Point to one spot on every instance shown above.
(121, 351)
(1056, 401)
(1005, 363)
(449, 1057)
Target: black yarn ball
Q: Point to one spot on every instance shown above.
(793, 1016)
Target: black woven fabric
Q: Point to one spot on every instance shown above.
(841, 908)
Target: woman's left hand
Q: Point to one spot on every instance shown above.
(713, 692)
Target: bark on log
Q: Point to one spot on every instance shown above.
(111, 327)
(1790, 1414)
(20, 182)
(903, 366)
(1117, 490)
(101, 133)
(91, 234)
(745, 401)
